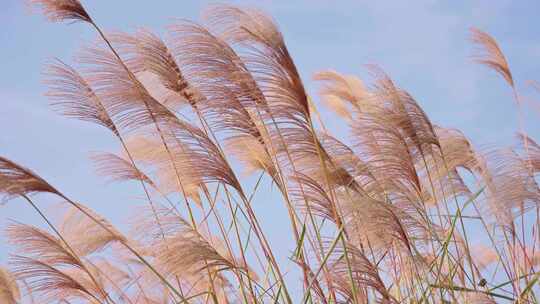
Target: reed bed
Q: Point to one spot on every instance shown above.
(382, 217)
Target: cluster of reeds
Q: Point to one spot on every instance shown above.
(382, 219)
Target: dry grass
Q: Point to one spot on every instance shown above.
(382, 219)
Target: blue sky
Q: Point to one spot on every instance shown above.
(423, 45)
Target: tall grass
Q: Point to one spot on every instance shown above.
(385, 217)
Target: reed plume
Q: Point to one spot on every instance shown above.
(491, 54)
(9, 291)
